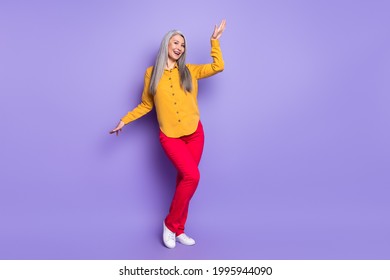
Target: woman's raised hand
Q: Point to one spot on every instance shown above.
(218, 30)
(118, 128)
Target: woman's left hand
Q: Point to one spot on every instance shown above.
(218, 30)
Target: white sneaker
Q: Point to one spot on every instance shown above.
(169, 237)
(185, 240)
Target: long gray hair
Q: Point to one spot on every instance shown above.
(161, 61)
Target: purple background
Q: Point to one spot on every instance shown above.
(297, 155)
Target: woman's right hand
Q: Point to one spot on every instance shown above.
(118, 128)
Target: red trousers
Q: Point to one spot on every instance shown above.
(185, 153)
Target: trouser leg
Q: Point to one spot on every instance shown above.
(185, 153)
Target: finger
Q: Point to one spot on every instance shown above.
(221, 29)
(215, 30)
(224, 24)
(220, 25)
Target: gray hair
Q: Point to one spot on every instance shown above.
(161, 61)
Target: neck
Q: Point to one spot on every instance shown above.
(170, 64)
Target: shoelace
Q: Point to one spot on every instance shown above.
(171, 236)
(184, 236)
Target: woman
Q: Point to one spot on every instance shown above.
(172, 87)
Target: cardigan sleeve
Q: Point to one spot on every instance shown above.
(146, 104)
(207, 70)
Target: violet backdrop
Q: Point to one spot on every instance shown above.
(296, 160)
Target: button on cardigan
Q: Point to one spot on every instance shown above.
(177, 110)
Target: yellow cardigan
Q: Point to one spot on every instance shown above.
(177, 111)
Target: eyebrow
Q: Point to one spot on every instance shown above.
(178, 42)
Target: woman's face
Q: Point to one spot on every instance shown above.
(176, 47)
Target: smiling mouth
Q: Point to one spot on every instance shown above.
(177, 53)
